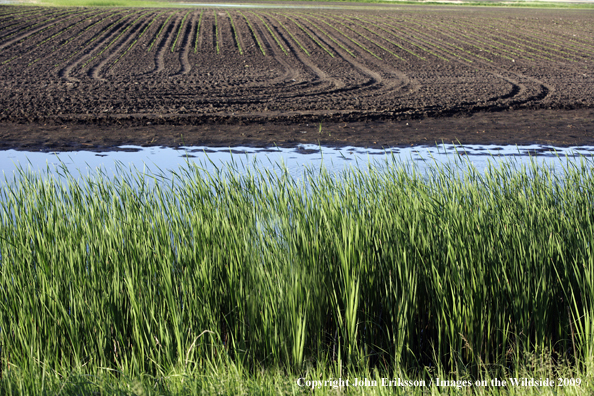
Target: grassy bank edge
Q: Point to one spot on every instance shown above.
(233, 380)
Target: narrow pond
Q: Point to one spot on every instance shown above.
(296, 160)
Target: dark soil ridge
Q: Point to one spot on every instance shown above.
(560, 128)
(139, 120)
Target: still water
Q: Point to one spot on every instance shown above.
(296, 160)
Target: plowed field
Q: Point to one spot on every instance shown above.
(145, 67)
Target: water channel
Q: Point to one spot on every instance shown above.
(296, 160)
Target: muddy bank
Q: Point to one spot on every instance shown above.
(551, 127)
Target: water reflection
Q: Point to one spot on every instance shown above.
(295, 159)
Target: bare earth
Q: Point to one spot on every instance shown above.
(370, 76)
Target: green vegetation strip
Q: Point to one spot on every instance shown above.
(114, 40)
(198, 31)
(159, 32)
(253, 33)
(272, 33)
(138, 38)
(287, 30)
(235, 35)
(106, 3)
(181, 25)
(386, 271)
(315, 40)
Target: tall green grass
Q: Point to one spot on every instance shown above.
(383, 271)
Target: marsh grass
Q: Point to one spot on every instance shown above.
(193, 282)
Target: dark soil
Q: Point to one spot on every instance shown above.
(550, 127)
(98, 78)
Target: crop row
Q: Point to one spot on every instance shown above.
(558, 40)
(43, 29)
(138, 38)
(276, 39)
(216, 26)
(537, 45)
(129, 26)
(94, 38)
(313, 38)
(198, 31)
(403, 37)
(12, 14)
(86, 29)
(469, 38)
(524, 44)
(372, 27)
(45, 21)
(12, 21)
(289, 33)
(179, 31)
(521, 43)
(462, 39)
(235, 34)
(159, 33)
(282, 34)
(59, 33)
(254, 34)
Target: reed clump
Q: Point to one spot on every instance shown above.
(383, 271)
